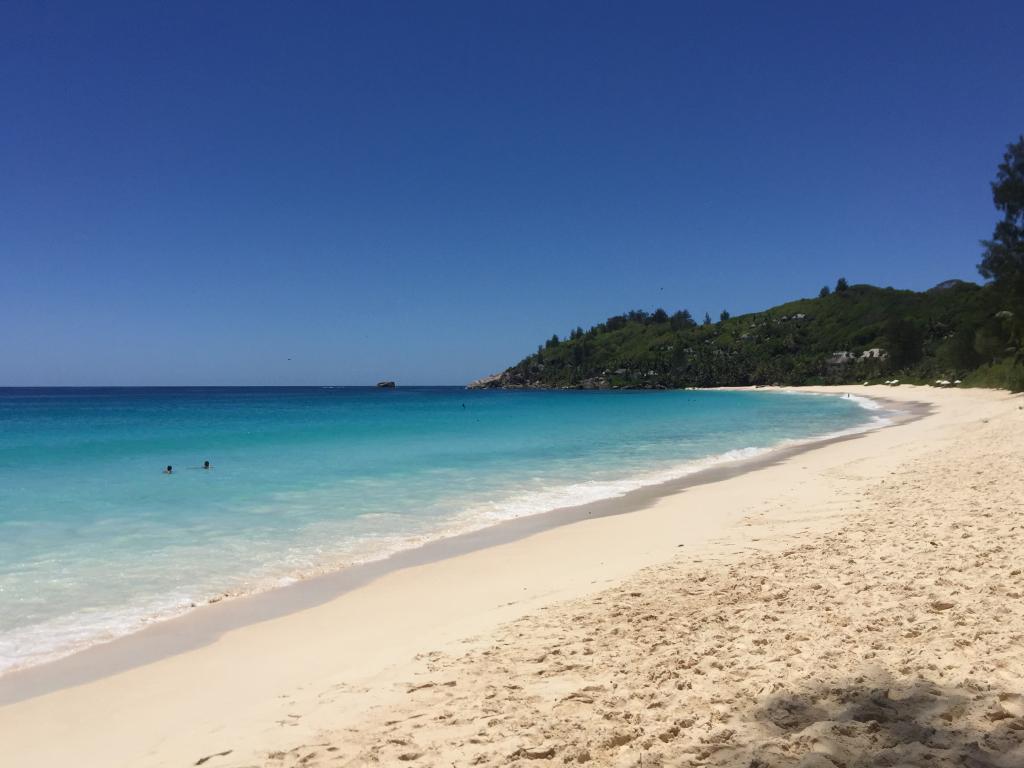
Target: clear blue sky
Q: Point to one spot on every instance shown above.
(195, 193)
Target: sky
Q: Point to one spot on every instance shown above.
(342, 192)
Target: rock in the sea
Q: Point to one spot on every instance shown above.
(386, 384)
(494, 381)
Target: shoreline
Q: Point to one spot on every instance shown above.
(205, 622)
(358, 650)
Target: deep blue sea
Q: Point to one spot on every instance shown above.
(96, 541)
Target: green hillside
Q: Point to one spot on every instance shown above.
(955, 331)
(951, 332)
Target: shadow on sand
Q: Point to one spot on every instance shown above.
(922, 724)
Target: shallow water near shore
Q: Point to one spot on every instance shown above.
(95, 542)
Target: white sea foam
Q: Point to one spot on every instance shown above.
(64, 635)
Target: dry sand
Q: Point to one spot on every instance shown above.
(857, 604)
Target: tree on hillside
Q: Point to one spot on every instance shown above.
(1003, 259)
(660, 315)
(989, 342)
(579, 353)
(724, 316)
(682, 319)
(615, 323)
(841, 285)
(825, 291)
(904, 341)
(958, 352)
(707, 318)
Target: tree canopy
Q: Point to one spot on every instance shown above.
(1003, 258)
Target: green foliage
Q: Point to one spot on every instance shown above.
(1005, 374)
(682, 320)
(989, 343)
(958, 354)
(724, 316)
(927, 335)
(1003, 259)
(904, 341)
(954, 330)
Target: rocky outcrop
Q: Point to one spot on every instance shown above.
(494, 381)
(511, 380)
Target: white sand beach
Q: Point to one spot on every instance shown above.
(859, 603)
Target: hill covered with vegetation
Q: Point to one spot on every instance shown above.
(855, 333)
(956, 330)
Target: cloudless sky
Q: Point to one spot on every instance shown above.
(340, 192)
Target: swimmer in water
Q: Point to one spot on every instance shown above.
(206, 465)
(169, 470)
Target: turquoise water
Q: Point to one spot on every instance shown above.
(95, 541)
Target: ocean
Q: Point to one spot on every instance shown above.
(96, 541)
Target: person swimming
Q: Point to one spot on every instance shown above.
(169, 470)
(206, 465)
